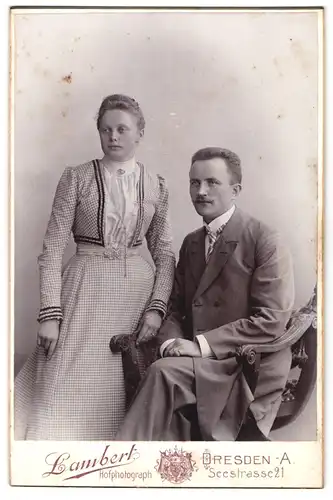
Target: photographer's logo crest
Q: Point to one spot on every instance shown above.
(175, 466)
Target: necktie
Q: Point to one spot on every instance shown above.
(212, 239)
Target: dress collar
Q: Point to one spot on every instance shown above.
(120, 168)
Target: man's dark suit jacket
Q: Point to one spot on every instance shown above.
(244, 294)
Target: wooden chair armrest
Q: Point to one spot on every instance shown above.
(301, 322)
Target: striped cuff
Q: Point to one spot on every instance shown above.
(159, 306)
(47, 313)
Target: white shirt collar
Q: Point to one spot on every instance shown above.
(221, 220)
(121, 167)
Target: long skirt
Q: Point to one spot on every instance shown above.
(79, 393)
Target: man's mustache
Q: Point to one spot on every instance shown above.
(199, 199)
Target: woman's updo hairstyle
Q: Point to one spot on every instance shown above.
(123, 102)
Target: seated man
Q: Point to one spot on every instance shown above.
(234, 285)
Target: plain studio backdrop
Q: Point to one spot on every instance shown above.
(243, 81)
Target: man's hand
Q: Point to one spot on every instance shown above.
(150, 325)
(183, 347)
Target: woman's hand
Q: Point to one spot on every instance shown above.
(48, 335)
(150, 325)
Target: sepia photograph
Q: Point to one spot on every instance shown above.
(166, 174)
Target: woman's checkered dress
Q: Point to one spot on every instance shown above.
(104, 290)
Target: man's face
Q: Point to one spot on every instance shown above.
(211, 190)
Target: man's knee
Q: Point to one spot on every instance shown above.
(170, 366)
(160, 367)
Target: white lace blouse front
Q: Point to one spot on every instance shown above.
(121, 202)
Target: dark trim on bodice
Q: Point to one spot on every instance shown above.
(135, 241)
(101, 207)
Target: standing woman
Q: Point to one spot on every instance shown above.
(72, 387)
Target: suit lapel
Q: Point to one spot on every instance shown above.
(224, 248)
(197, 262)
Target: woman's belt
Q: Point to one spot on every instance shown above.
(121, 253)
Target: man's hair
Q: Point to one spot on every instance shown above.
(232, 160)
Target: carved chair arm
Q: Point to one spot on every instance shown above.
(299, 325)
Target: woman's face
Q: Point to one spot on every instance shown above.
(119, 134)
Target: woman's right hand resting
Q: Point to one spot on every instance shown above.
(48, 335)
